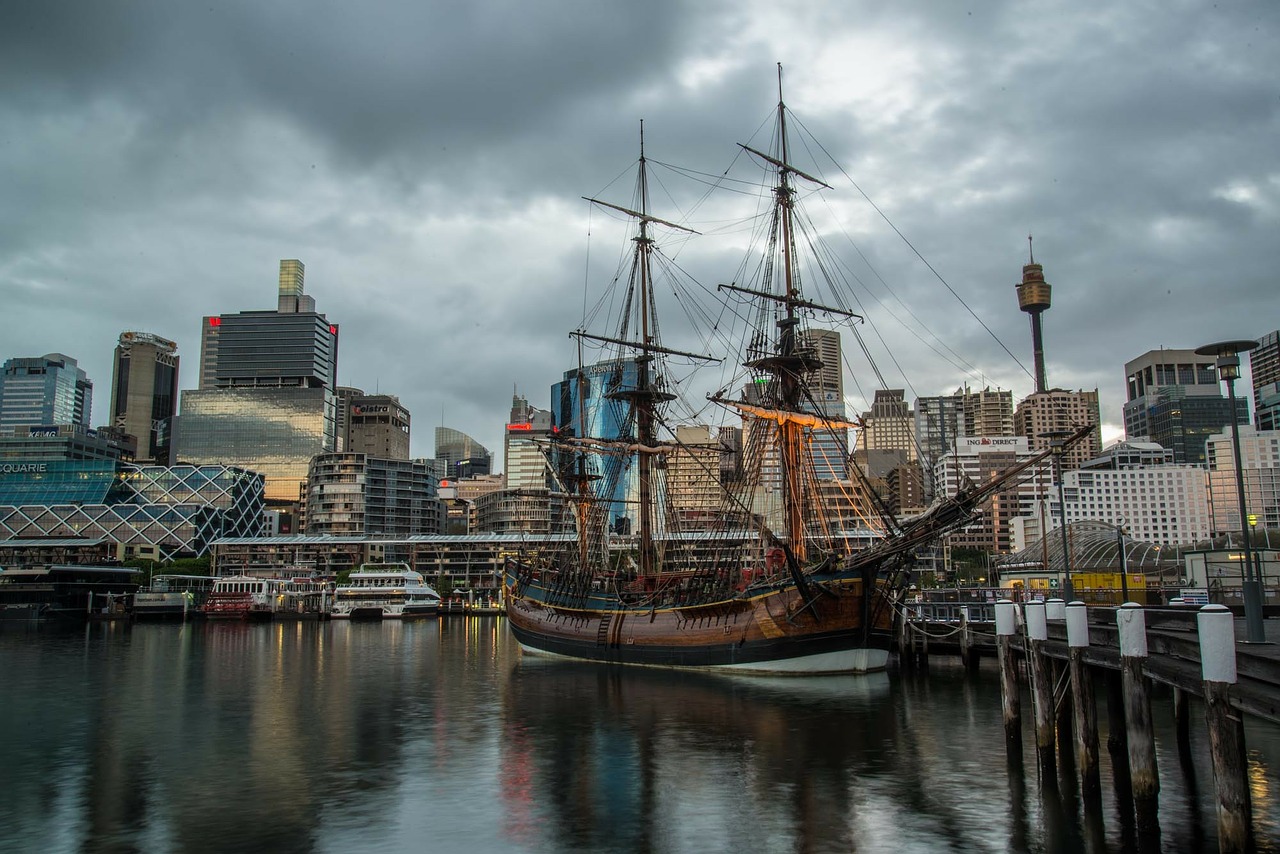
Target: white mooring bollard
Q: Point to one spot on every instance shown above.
(1226, 729)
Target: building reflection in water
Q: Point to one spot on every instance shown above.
(438, 734)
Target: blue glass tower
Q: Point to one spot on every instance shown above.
(51, 389)
(581, 407)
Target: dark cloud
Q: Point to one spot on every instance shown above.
(425, 161)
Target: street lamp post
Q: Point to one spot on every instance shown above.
(1057, 445)
(1228, 356)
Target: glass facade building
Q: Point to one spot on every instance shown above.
(50, 389)
(581, 406)
(461, 455)
(273, 431)
(65, 442)
(267, 397)
(1183, 423)
(177, 510)
(1175, 399)
(57, 481)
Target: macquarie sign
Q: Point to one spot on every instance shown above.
(23, 468)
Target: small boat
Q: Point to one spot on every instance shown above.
(378, 591)
(66, 592)
(172, 597)
(243, 597)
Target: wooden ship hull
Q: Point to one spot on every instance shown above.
(769, 631)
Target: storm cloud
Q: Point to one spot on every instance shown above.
(425, 161)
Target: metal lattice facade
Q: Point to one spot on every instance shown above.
(179, 510)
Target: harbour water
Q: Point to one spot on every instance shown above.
(439, 735)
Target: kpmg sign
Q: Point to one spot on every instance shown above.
(984, 444)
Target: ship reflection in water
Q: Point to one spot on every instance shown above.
(440, 736)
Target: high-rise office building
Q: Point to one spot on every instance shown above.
(1175, 400)
(144, 393)
(831, 444)
(1264, 368)
(66, 442)
(524, 451)
(581, 406)
(377, 425)
(266, 399)
(890, 424)
(1260, 461)
(978, 459)
(345, 394)
(44, 391)
(693, 485)
(942, 419)
(460, 455)
(291, 346)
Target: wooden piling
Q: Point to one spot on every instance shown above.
(1010, 701)
(1085, 713)
(1182, 720)
(922, 633)
(1041, 682)
(1055, 612)
(968, 659)
(1132, 622)
(905, 657)
(1226, 729)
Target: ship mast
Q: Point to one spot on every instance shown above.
(647, 395)
(790, 362)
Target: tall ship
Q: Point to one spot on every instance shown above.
(796, 568)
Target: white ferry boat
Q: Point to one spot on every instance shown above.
(242, 597)
(252, 597)
(378, 591)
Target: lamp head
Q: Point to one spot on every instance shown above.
(1228, 356)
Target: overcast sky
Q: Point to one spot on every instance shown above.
(425, 161)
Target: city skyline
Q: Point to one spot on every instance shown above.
(432, 186)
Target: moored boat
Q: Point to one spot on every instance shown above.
(378, 591)
(243, 597)
(69, 592)
(172, 597)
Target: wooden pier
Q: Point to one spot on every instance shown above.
(1062, 649)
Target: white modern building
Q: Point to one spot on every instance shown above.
(1164, 504)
